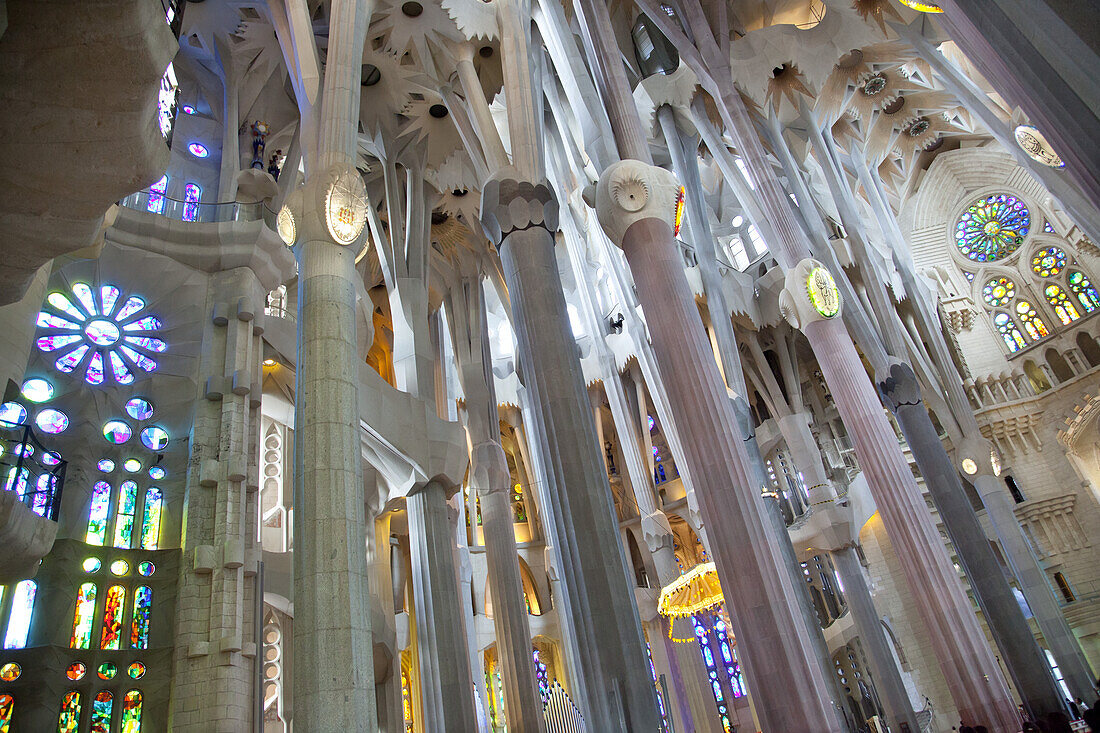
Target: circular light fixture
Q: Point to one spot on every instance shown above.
(823, 293)
(969, 466)
(438, 111)
(284, 224)
(198, 150)
(37, 390)
(188, 109)
(1032, 142)
(922, 7)
(269, 362)
(346, 207)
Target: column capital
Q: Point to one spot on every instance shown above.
(510, 204)
(809, 294)
(630, 191)
(656, 531)
(330, 207)
(489, 468)
(898, 385)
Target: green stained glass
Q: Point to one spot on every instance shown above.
(101, 712)
(139, 629)
(83, 617)
(97, 516)
(150, 523)
(69, 720)
(112, 617)
(124, 518)
(992, 228)
(7, 705)
(131, 712)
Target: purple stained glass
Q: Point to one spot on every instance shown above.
(142, 361)
(69, 361)
(50, 459)
(139, 408)
(53, 343)
(191, 195)
(52, 421)
(94, 373)
(106, 465)
(108, 295)
(148, 323)
(155, 202)
(145, 342)
(83, 294)
(117, 432)
(154, 438)
(12, 413)
(101, 332)
(48, 320)
(132, 305)
(122, 373)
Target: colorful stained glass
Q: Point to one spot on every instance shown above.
(139, 628)
(122, 373)
(19, 621)
(106, 465)
(157, 473)
(50, 458)
(83, 617)
(705, 642)
(136, 670)
(52, 421)
(107, 671)
(120, 567)
(998, 291)
(1033, 324)
(1063, 306)
(1009, 332)
(1048, 228)
(139, 408)
(1078, 283)
(12, 414)
(132, 465)
(76, 671)
(154, 438)
(146, 568)
(94, 373)
(97, 516)
(148, 323)
(112, 618)
(53, 343)
(124, 515)
(37, 390)
(541, 677)
(49, 320)
(155, 202)
(101, 712)
(63, 304)
(150, 523)
(131, 712)
(116, 431)
(69, 720)
(102, 332)
(992, 228)
(7, 705)
(10, 672)
(91, 564)
(70, 361)
(133, 305)
(191, 194)
(1048, 261)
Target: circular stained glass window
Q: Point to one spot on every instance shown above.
(91, 564)
(76, 671)
(101, 332)
(136, 670)
(107, 671)
(117, 431)
(50, 459)
(998, 291)
(1048, 261)
(10, 672)
(12, 414)
(139, 408)
(120, 567)
(146, 568)
(154, 438)
(992, 228)
(132, 465)
(106, 465)
(52, 421)
(157, 473)
(37, 390)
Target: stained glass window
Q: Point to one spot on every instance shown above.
(191, 195)
(705, 650)
(998, 291)
(154, 438)
(97, 517)
(1048, 261)
(112, 617)
(150, 523)
(37, 390)
(7, 704)
(1009, 332)
(22, 607)
(124, 516)
(89, 334)
(155, 202)
(107, 671)
(1048, 228)
(139, 408)
(69, 720)
(131, 712)
(52, 421)
(83, 617)
(729, 658)
(540, 676)
(12, 414)
(992, 228)
(1063, 306)
(101, 712)
(76, 671)
(1033, 324)
(10, 672)
(116, 431)
(1084, 290)
(136, 670)
(139, 629)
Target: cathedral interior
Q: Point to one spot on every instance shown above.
(549, 366)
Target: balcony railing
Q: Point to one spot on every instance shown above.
(34, 473)
(198, 211)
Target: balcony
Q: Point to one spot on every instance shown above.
(198, 211)
(33, 478)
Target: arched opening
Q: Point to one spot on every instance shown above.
(1014, 489)
(1039, 381)
(1088, 346)
(1058, 365)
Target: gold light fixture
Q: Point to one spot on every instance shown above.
(922, 7)
(694, 591)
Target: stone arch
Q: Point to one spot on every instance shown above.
(1089, 348)
(1058, 365)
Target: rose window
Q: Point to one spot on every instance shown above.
(992, 228)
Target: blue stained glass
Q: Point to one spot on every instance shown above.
(191, 194)
(992, 228)
(19, 622)
(156, 196)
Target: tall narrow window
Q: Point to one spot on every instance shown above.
(131, 712)
(101, 712)
(1064, 588)
(112, 617)
(155, 202)
(69, 720)
(1063, 306)
(729, 658)
(97, 516)
(191, 195)
(124, 516)
(1084, 290)
(1009, 332)
(150, 523)
(703, 637)
(139, 628)
(1033, 324)
(7, 704)
(83, 617)
(22, 607)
